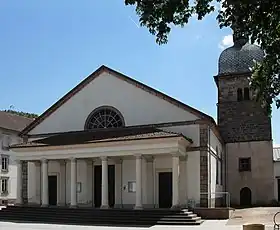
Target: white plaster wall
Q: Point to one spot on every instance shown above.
(12, 172)
(129, 174)
(140, 107)
(193, 179)
(261, 174)
(190, 131)
(215, 143)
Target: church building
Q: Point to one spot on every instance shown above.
(114, 142)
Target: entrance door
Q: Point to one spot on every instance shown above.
(278, 183)
(97, 185)
(52, 190)
(245, 197)
(165, 189)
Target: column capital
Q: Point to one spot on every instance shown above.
(150, 159)
(138, 156)
(62, 162)
(18, 161)
(183, 158)
(44, 160)
(118, 160)
(37, 163)
(73, 159)
(176, 154)
(104, 158)
(90, 160)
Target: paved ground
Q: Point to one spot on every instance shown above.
(207, 225)
(239, 217)
(260, 215)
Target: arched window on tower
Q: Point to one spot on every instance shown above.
(246, 94)
(104, 117)
(239, 94)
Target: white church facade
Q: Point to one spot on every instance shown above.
(114, 142)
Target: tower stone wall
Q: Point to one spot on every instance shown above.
(242, 120)
(246, 130)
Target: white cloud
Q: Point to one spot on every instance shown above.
(226, 42)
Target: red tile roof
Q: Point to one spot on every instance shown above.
(101, 135)
(13, 121)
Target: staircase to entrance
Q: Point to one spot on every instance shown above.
(102, 217)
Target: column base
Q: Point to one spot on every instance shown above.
(61, 205)
(44, 205)
(19, 204)
(175, 207)
(106, 206)
(118, 206)
(73, 206)
(138, 207)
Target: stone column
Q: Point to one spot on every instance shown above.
(38, 181)
(45, 183)
(118, 183)
(73, 203)
(90, 200)
(104, 183)
(144, 182)
(150, 182)
(31, 183)
(138, 203)
(175, 181)
(62, 198)
(19, 200)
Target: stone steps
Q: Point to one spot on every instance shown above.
(109, 217)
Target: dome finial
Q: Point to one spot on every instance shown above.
(239, 38)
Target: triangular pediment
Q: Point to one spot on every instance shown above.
(139, 104)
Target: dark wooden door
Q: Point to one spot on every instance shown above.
(98, 182)
(278, 185)
(245, 197)
(52, 180)
(97, 185)
(165, 189)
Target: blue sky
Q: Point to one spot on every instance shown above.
(47, 47)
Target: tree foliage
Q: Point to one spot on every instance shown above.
(258, 20)
(20, 113)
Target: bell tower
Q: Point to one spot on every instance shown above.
(244, 126)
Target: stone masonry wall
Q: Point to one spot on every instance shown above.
(24, 182)
(240, 121)
(204, 166)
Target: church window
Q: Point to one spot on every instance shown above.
(4, 163)
(239, 94)
(4, 185)
(104, 117)
(246, 94)
(244, 164)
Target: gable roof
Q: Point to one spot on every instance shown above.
(123, 77)
(13, 121)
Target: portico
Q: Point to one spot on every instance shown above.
(130, 172)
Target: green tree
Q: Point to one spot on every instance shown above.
(257, 20)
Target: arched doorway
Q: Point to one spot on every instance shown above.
(245, 197)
